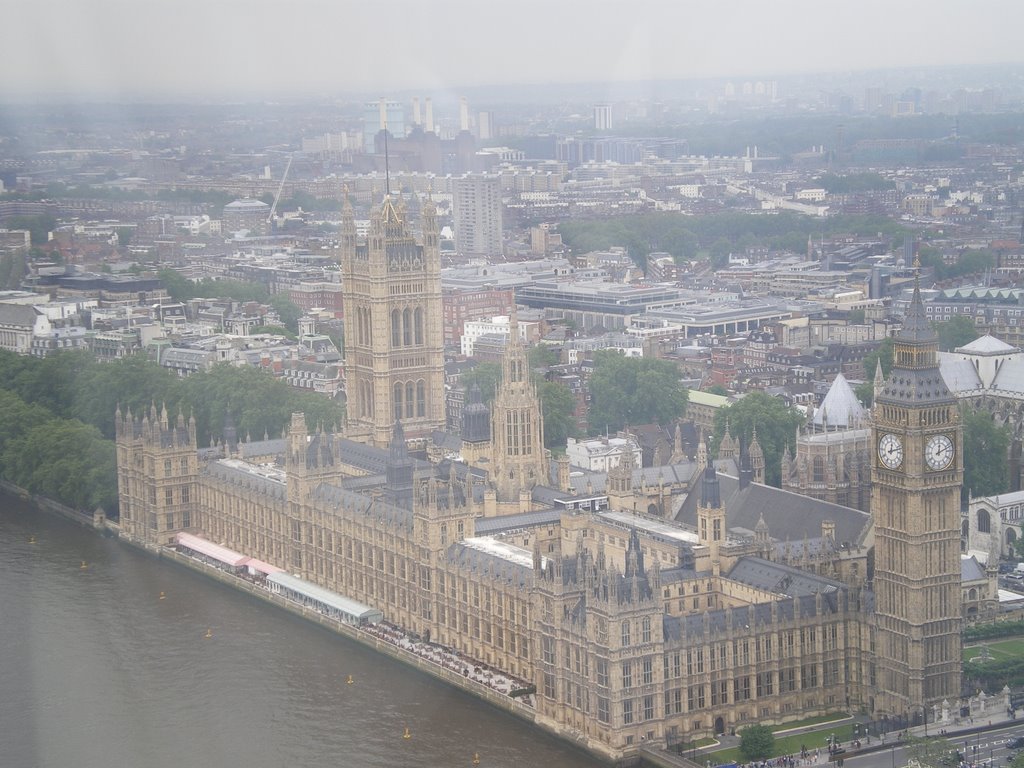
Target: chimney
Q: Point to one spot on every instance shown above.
(428, 106)
(416, 110)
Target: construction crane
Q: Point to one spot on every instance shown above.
(280, 189)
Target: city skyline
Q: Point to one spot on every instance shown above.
(116, 50)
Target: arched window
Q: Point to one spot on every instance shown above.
(396, 328)
(819, 470)
(410, 401)
(421, 398)
(398, 401)
(965, 529)
(984, 525)
(972, 594)
(368, 325)
(418, 322)
(407, 327)
(1011, 540)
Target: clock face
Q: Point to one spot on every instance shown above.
(938, 452)
(890, 451)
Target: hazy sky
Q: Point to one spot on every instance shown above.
(127, 48)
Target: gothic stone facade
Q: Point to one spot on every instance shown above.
(627, 635)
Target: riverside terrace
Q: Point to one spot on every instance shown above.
(345, 611)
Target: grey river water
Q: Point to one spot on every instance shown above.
(96, 671)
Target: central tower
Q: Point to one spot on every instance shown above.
(519, 459)
(394, 356)
(917, 472)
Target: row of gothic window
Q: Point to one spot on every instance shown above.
(364, 328)
(410, 399)
(406, 327)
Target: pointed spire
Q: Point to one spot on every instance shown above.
(915, 323)
(513, 323)
(755, 450)
(710, 494)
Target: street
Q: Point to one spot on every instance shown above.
(981, 750)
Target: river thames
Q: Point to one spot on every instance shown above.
(96, 671)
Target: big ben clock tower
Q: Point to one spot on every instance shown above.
(915, 501)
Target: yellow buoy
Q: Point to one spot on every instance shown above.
(83, 566)
(209, 634)
(476, 758)
(407, 735)
(31, 539)
(350, 680)
(163, 596)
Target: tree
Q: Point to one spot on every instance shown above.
(865, 392)
(180, 287)
(633, 390)
(65, 460)
(856, 317)
(277, 330)
(776, 428)
(124, 235)
(558, 407)
(542, 356)
(985, 454)
(39, 227)
(717, 389)
(884, 353)
(757, 742)
(288, 311)
(19, 418)
(955, 332)
(486, 376)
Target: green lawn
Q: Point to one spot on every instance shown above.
(1000, 651)
(788, 745)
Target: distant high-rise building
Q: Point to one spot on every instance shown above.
(485, 126)
(602, 117)
(477, 215)
(246, 215)
(377, 115)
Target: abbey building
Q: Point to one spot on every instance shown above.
(643, 604)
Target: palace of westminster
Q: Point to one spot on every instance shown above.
(644, 603)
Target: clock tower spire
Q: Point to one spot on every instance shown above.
(917, 473)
